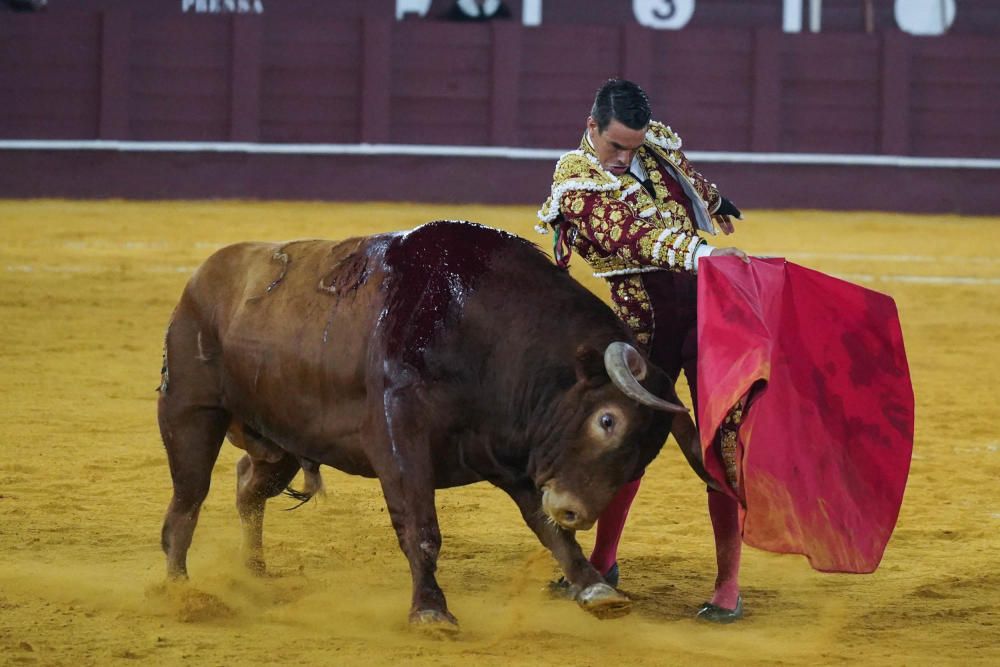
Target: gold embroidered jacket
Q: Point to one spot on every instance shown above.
(620, 229)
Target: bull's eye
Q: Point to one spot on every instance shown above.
(607, 421)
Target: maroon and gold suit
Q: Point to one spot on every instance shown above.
(643, 245)
(621, 230)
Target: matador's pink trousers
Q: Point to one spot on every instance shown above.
(674, 347)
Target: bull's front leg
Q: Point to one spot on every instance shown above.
(406, 473)
(414, 519)
(588, 586)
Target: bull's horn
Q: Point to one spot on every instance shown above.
(686, 435)
(619, 360)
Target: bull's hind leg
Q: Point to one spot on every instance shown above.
(192, 424)
(258, 479)
(192, 437)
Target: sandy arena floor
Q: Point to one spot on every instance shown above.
(87, 291)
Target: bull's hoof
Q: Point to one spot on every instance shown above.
(713, 613)
(434, 622)
(561, 588)
(603, 601)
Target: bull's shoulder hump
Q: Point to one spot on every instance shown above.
(460, 236)
(464, 250)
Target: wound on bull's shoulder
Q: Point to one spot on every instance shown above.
(279, 256)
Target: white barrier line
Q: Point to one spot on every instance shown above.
(507, 152)
(918, 280)
(863, 257)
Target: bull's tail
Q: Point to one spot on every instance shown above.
(313, 484)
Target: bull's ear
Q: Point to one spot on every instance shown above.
(590, 365)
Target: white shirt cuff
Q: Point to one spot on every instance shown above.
(702, 250)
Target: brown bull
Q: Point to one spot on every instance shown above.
(444, 356)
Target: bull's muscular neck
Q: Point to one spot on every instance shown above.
(493, 326)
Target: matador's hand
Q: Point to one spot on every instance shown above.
(724, 214)
(731, 252)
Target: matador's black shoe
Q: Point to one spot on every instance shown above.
(713, 613)
(611, 576)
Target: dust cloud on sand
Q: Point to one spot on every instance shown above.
(88, 289)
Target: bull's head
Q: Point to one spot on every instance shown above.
(613, 427)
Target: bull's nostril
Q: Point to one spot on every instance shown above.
(569, 517)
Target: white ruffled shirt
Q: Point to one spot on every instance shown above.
(639, 171)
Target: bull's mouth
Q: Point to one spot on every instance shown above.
(564, 509)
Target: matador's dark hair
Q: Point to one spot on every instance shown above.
(623, 101)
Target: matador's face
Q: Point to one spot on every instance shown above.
(616, 145)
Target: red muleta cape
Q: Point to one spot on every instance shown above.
(825, 442)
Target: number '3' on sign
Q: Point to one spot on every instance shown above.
(663, 14)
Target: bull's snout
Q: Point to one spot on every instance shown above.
(565, 508)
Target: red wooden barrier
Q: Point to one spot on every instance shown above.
(283, 77)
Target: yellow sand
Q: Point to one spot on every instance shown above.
(87, 290)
